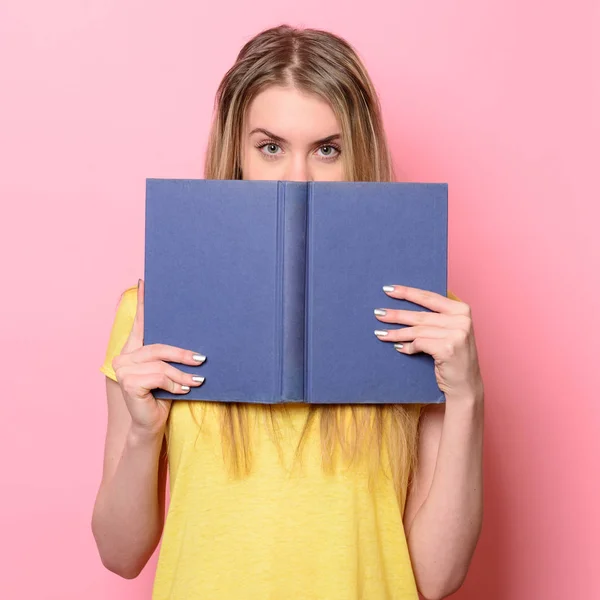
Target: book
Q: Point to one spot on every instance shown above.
(275, 282)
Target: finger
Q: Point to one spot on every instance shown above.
(414, 317)
(408, 334)
(137, 331)
(149, 368)
(431, 300)
(141, 385)
(156, 353)
(434, 347)
(165, 352)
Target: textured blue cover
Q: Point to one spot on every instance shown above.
(276, 282)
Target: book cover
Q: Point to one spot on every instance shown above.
(276, 283)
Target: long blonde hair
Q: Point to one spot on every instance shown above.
(320, 63)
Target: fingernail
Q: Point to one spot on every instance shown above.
(198, 379)
(380, 312)
(199, 357)
(388, 288)
(399, 346)
(185, 388)
(380, 332)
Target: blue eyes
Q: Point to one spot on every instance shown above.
(325, 152)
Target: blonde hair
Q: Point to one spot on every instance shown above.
(321, 63)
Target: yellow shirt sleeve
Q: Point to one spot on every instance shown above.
(122, 324)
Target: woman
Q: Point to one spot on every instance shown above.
(294, 501)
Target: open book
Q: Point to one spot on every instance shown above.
(276, 283)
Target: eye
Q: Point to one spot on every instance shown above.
(269, 148)
(329, 151)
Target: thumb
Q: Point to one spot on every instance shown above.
(136, 337)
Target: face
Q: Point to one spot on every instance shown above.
(293, 136)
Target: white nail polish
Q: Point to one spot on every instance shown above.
(380, 312)
(399, 346)
(185, 388)
(198, 378)
(199, 357)
(380, 332)
(388, 288)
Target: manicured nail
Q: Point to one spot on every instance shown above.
(380, 332)
(199, 357)
(185, 388)
(388, 288)
(399, 346)
(199, 379)
(380, 312)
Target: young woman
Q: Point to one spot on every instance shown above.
(295, 501)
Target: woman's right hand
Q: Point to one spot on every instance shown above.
(140, 369)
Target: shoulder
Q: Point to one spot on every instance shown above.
(121, 327)
(128, 301)
(126, 309)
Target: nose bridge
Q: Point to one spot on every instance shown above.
(298, 168)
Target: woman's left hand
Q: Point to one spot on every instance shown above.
(446, 334)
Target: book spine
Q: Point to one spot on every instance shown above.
(307, 332)
(292, 225)
(279, 295)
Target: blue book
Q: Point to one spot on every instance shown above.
(276, 283)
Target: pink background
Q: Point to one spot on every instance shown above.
(500, 99)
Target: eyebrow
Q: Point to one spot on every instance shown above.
(281, 140)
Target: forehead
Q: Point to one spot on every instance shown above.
(291, 114)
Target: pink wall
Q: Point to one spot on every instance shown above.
(499, 99)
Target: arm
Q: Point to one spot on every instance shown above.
(129, 511)
(444, 508)
(444, 505)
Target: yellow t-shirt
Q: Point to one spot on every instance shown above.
(280, 532)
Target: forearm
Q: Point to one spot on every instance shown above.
(127, 520)
(445, 530)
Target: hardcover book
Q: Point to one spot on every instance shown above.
(276, 283)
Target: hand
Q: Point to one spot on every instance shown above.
(446, 334)
(140, 369)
